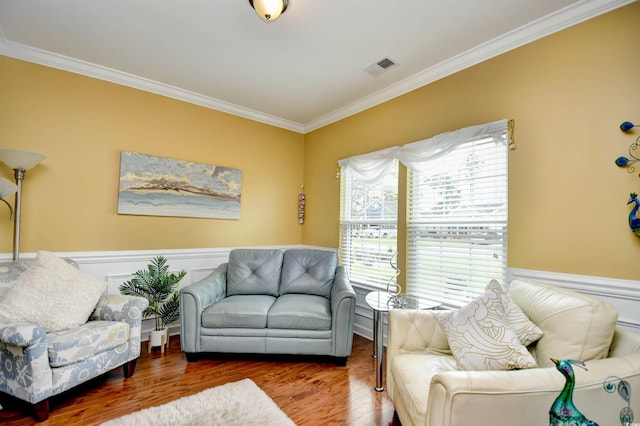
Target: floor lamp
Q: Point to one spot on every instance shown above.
(7, 188)
(20, 162)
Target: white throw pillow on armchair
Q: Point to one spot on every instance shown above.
(52, 294)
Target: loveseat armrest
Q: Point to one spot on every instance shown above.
(194, 299)
(26, 373)
(209, 289)
(500, 397)
(343, 306)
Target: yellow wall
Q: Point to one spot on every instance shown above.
(82, 124)
(567, 93)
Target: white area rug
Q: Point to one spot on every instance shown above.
(237, 403)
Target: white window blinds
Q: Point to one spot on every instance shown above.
(368, 217)
(457, 214)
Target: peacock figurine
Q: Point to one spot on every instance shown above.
(563, 412)
(634, 221)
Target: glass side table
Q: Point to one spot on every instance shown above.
(380, 302)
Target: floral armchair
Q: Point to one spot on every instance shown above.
(38, 361)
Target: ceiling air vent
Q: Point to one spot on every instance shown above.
(380, 66)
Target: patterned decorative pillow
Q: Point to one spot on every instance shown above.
(52, 294)
(481, 338)
(526, 330)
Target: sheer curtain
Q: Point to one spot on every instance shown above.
(418, 155)
(372, 167)
(369, 216)
(456, 212)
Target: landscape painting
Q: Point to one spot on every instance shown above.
(158, 186)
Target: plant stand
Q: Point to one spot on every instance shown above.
(159, 338)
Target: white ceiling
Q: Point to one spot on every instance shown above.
(301, 72)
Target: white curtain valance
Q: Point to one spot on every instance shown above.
(373, 166)
(416, 154)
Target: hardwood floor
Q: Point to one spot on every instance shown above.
(311, 391)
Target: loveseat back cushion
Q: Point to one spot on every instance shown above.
(575, 325)
(254, 271)
(300, 312)
(308, 272)
(77, 344)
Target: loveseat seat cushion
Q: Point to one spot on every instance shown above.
(239, 311)
(308, 272)
(301, 312)
(575, 326)
(254, 271)
(77, 344)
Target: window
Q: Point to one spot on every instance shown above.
(457, 219)
(368, 223)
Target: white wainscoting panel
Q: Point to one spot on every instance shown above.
(116, 267)
(624, 295)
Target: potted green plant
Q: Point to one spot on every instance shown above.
(158, 286)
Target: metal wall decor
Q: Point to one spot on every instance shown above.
(301, 202)
(629, 164)
(623, 161)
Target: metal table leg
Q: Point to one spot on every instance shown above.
(376, 314)
(379, 348)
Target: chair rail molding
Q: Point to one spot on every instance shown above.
(624, 295)
(116, 267)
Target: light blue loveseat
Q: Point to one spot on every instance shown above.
(35, 365)
(268, 301)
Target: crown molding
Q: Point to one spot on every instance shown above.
(65, 63)
(560, 20)
(564, 18)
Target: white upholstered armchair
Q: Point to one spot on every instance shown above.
(430, 385)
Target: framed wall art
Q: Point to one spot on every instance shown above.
(158, 186)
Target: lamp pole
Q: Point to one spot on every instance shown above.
(20, 162)
(19, 174)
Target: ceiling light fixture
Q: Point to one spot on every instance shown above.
(269, 10)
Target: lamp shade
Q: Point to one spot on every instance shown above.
(7, 187)
(269, 10)
(15, 159)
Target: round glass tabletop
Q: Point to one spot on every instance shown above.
(383, 301)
